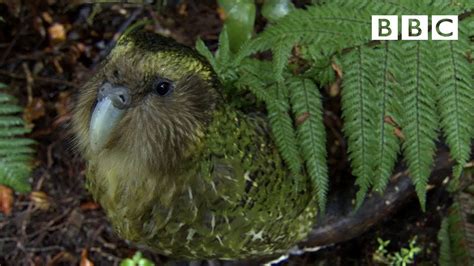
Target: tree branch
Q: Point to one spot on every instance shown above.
(342, 223)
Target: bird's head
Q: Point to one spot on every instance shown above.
(150, 99)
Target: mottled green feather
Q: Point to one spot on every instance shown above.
(188, 174)
(239, 200)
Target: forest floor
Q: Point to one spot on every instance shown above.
(47, 49)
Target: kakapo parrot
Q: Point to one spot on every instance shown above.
(176, 167)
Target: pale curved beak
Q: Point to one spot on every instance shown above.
(112, 102)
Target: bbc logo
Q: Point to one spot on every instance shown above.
(415, 27)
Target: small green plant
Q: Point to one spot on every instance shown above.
(403, 257)
(15, 151)
(137, 260)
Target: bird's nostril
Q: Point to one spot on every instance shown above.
(122, 98)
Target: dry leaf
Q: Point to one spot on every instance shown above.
(389, 120)
(335, 87)
(182, 9)
(222, 14)
(338, 69)
(398, 132)
(6, 200)
(84, 260)
(301, 118)
(34, 110)
(40, 200)
(39, 27)
(62, 103)
(47, 17)
(57, 65)
(57, 33)
(89, 206)
(62, 256)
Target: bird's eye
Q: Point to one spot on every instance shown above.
(162, 87)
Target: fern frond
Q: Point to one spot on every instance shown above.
(423, 78)
(456, 97)
(256, 76)
(204, 51)
(281, 53)
(11, 132)
(15, 142)
(5, 97)
(223, 53)
(404, 7)
(223, 60)
(283, 130)
(306, 103)
(445, 249)
(388, 112)
(15, 152)
(10, 120)
(9, 108)
(420, 117)
(328, 25)
(454, 249)
(358, 98)
(15, 175)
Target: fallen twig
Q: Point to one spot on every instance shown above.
(39, 79)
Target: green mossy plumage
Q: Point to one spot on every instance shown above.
(189, 175)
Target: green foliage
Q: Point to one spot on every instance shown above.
(397, 96)
(282, 128)
(387, 111)
(403, 257)
(456, 235)
(307, 108)
(454, 248)
(137, 260)
(420, 118)
(358, 112)
(15, 151)
(455, 96)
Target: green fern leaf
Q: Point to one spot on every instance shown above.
(322, 26)
(420, 118)
(281, 53)
(388, 113)
(256, 76)
(15, 152)
(15, 175)
(454, 236)
(5, 97)
(204, 51)
(223, 53)
(456, 97)
(378, 80)
(306, 102)
(10, 120)
(11, 132)
(358, 98)
(283, 130)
